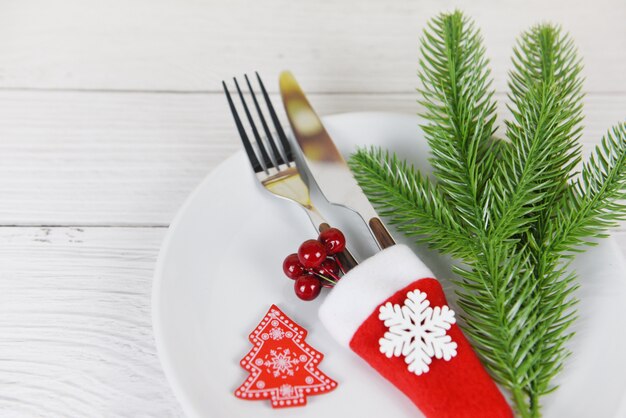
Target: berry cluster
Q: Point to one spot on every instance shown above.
(316, 264)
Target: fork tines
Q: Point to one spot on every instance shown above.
(261, 161)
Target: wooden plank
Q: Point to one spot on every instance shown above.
(75, 327)
(365, 46)
(620, 237)
(69, 158)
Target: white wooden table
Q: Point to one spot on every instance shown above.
(110, 114)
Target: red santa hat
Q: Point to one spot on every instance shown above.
(392, 312)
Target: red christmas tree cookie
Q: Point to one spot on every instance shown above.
(282, 366)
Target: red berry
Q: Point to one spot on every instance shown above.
(311, 253)
(329, 266)
(330, 270)
(333, 239)
(307, 287)
(326, 283)
(292, 266)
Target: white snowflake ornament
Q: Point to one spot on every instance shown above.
(281, 363)
(417, 332)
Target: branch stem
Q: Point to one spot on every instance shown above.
(521, 405)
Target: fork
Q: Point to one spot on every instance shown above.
(277, 172)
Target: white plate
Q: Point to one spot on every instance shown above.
(219, 270)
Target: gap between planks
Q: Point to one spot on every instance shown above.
(332, 46)
(108, 159)
(75, 325)
(218, 91)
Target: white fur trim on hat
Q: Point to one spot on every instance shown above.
(365, 287)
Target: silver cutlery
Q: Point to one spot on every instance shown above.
(275, 169)
(328, 168)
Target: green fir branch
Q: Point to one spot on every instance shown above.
(547, 113)
(595, 201)
(461, 113)
(460, 109)
(512, 211)
(544, 131)
(410, 202)
(499, 307)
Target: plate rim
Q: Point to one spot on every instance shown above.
(161, 349)
(163, 353)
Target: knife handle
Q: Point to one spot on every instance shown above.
(381, 233)
(345, 257)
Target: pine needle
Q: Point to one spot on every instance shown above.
(512, 211)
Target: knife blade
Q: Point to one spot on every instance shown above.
(326, 164)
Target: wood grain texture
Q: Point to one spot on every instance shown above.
(75, 158)
(75, 332)
(333, 46)
(111, 113)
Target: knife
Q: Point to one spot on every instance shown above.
(329, 169)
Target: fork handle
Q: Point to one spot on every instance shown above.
(345, 257)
